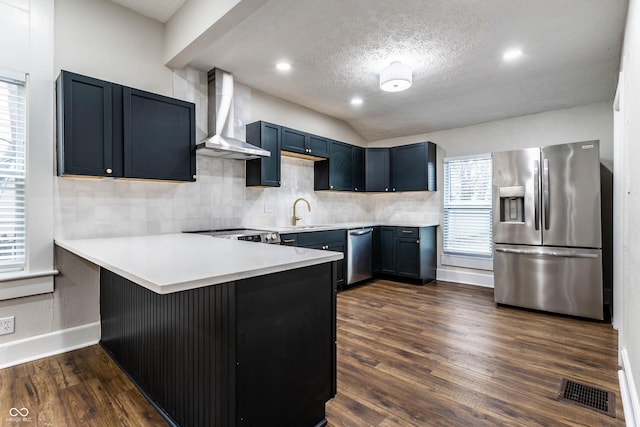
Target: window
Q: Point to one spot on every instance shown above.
(467, 207)
(12, 174)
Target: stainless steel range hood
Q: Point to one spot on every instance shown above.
(221, 141)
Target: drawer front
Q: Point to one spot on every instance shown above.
(408, 232)
(289, 239)
(321, 237)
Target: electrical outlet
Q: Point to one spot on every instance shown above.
(7, 325)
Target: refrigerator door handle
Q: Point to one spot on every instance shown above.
(568, 254)
(536, 193)
(545, 192)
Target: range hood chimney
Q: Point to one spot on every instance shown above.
(221, 141)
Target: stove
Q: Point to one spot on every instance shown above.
(246, 234)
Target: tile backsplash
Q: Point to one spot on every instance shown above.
(87, 208)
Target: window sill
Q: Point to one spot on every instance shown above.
(467, 262)
(20, 284)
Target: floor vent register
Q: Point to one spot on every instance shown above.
(587, 396)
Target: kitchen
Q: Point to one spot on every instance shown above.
(118, 45)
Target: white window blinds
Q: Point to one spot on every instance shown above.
(12, 174)
(467, 206)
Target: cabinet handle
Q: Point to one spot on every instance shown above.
(288, 240)
(331, 186)
(386, 189)
(325, 247)
(407, 231)
(393, 189)
(418, 241)
(356, 188)
(109, 171)
(194, 177)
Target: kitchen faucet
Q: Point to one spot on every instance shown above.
(295, 217)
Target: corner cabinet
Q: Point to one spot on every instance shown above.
(343, 171)
(105, 129)
(264, 172)
(377, 170)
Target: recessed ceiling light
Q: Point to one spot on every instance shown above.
(356, 101)
(283, 66)
(512, 54)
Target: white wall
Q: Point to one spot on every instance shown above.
(104, 40)
(629, 337)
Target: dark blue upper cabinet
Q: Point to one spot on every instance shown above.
(377, 166)
(340, 166)
(294, 140)
(105, 129)
(413, 167)
(343, 171)
(358, 168)
(85, 127)
(318, 146)
(159, 136)
(264, 172)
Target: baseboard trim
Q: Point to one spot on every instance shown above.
(466, 277)
(629, 392)
(33, 348)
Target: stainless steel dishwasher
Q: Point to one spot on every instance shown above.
(359, 255)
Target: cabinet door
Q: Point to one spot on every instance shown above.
(341, 167)
(375, 250)
(341, 264)
(408, 257)
(85, 126)
(294, 140)
(318, 146)
(159, 137)
(377, 169)
(388, 250)
(264, 172)
(358, 168)
(409, 167)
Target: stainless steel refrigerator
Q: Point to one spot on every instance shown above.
(547, 229)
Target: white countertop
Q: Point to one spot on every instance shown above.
(169, 263)
(302, 228)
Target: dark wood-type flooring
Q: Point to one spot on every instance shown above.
(436, 355)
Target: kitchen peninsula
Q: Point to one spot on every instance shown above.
(218, 332)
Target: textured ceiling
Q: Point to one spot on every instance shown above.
(571, 51)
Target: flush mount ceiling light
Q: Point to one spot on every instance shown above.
(512, 54)
(395, 77)
(283, 66)
(356, 101)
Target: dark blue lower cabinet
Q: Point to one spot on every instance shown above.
(408, 252)
(256, 352)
